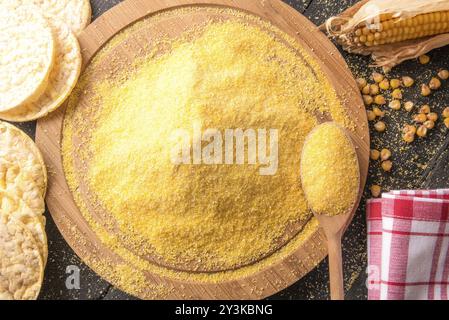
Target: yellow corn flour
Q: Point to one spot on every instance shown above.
(198, 216)
(330, 171)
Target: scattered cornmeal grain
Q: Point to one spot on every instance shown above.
(330, 170)
(446, 122)
(214, 217)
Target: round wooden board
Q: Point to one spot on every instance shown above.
(265, 281)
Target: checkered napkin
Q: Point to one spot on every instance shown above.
(408, 246)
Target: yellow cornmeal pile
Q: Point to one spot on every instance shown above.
(232, 75)
(330, 170)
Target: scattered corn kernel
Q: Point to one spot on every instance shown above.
(425, 109)
(385, 154)
(422, 131)
(446, 112)
(384, 85)
(425, 90)
(378, 77)
(424, 59)
(395, 105)
(368, 100)
(370, 115)
(408, 106)
(409, 128)
(408, 81)
(433, 116)
(446, 122)
(435, 84)
(380, 126)
(397, 94)
(409, 137)
(380, 100)
(387, 165)
(374, 154)
(379, 113)
(375, 190)
(374, 89)
(420, 118)
(361, 82)
(366, 89)
(395, 83)
(443, 74)
(429, 124)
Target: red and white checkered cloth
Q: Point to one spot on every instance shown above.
(408, 246)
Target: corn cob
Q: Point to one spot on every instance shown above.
(391, 30)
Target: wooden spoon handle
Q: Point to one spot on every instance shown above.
(336, 268)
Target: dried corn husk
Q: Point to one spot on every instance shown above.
(369, 11)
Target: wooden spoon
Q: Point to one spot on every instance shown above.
(334, 227)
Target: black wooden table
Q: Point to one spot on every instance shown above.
(425, 164)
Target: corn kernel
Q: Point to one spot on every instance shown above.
(384, 85)
(378, 77)
(397, 94)
(387, 166)
(446, 122)
(395, 105)
(433, 116)
(443, 74)
(422, 131)
(374, 154)
(425, 109)
(380, 100)
(408, 81)
(446, 112)
(366, 89)
(385, 154)
(395, 83)
(425, 90)
(374, 89)
(375, 190)
(435, 84)
(409, 128)
(370, 115)
(408, 137)
(408, 106)
(379, 113)
(424, 59)
(368, 100)
(420, 118)
(361, 82)
(380, 126)
(429, 124)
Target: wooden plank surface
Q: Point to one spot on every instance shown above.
(433, 152)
